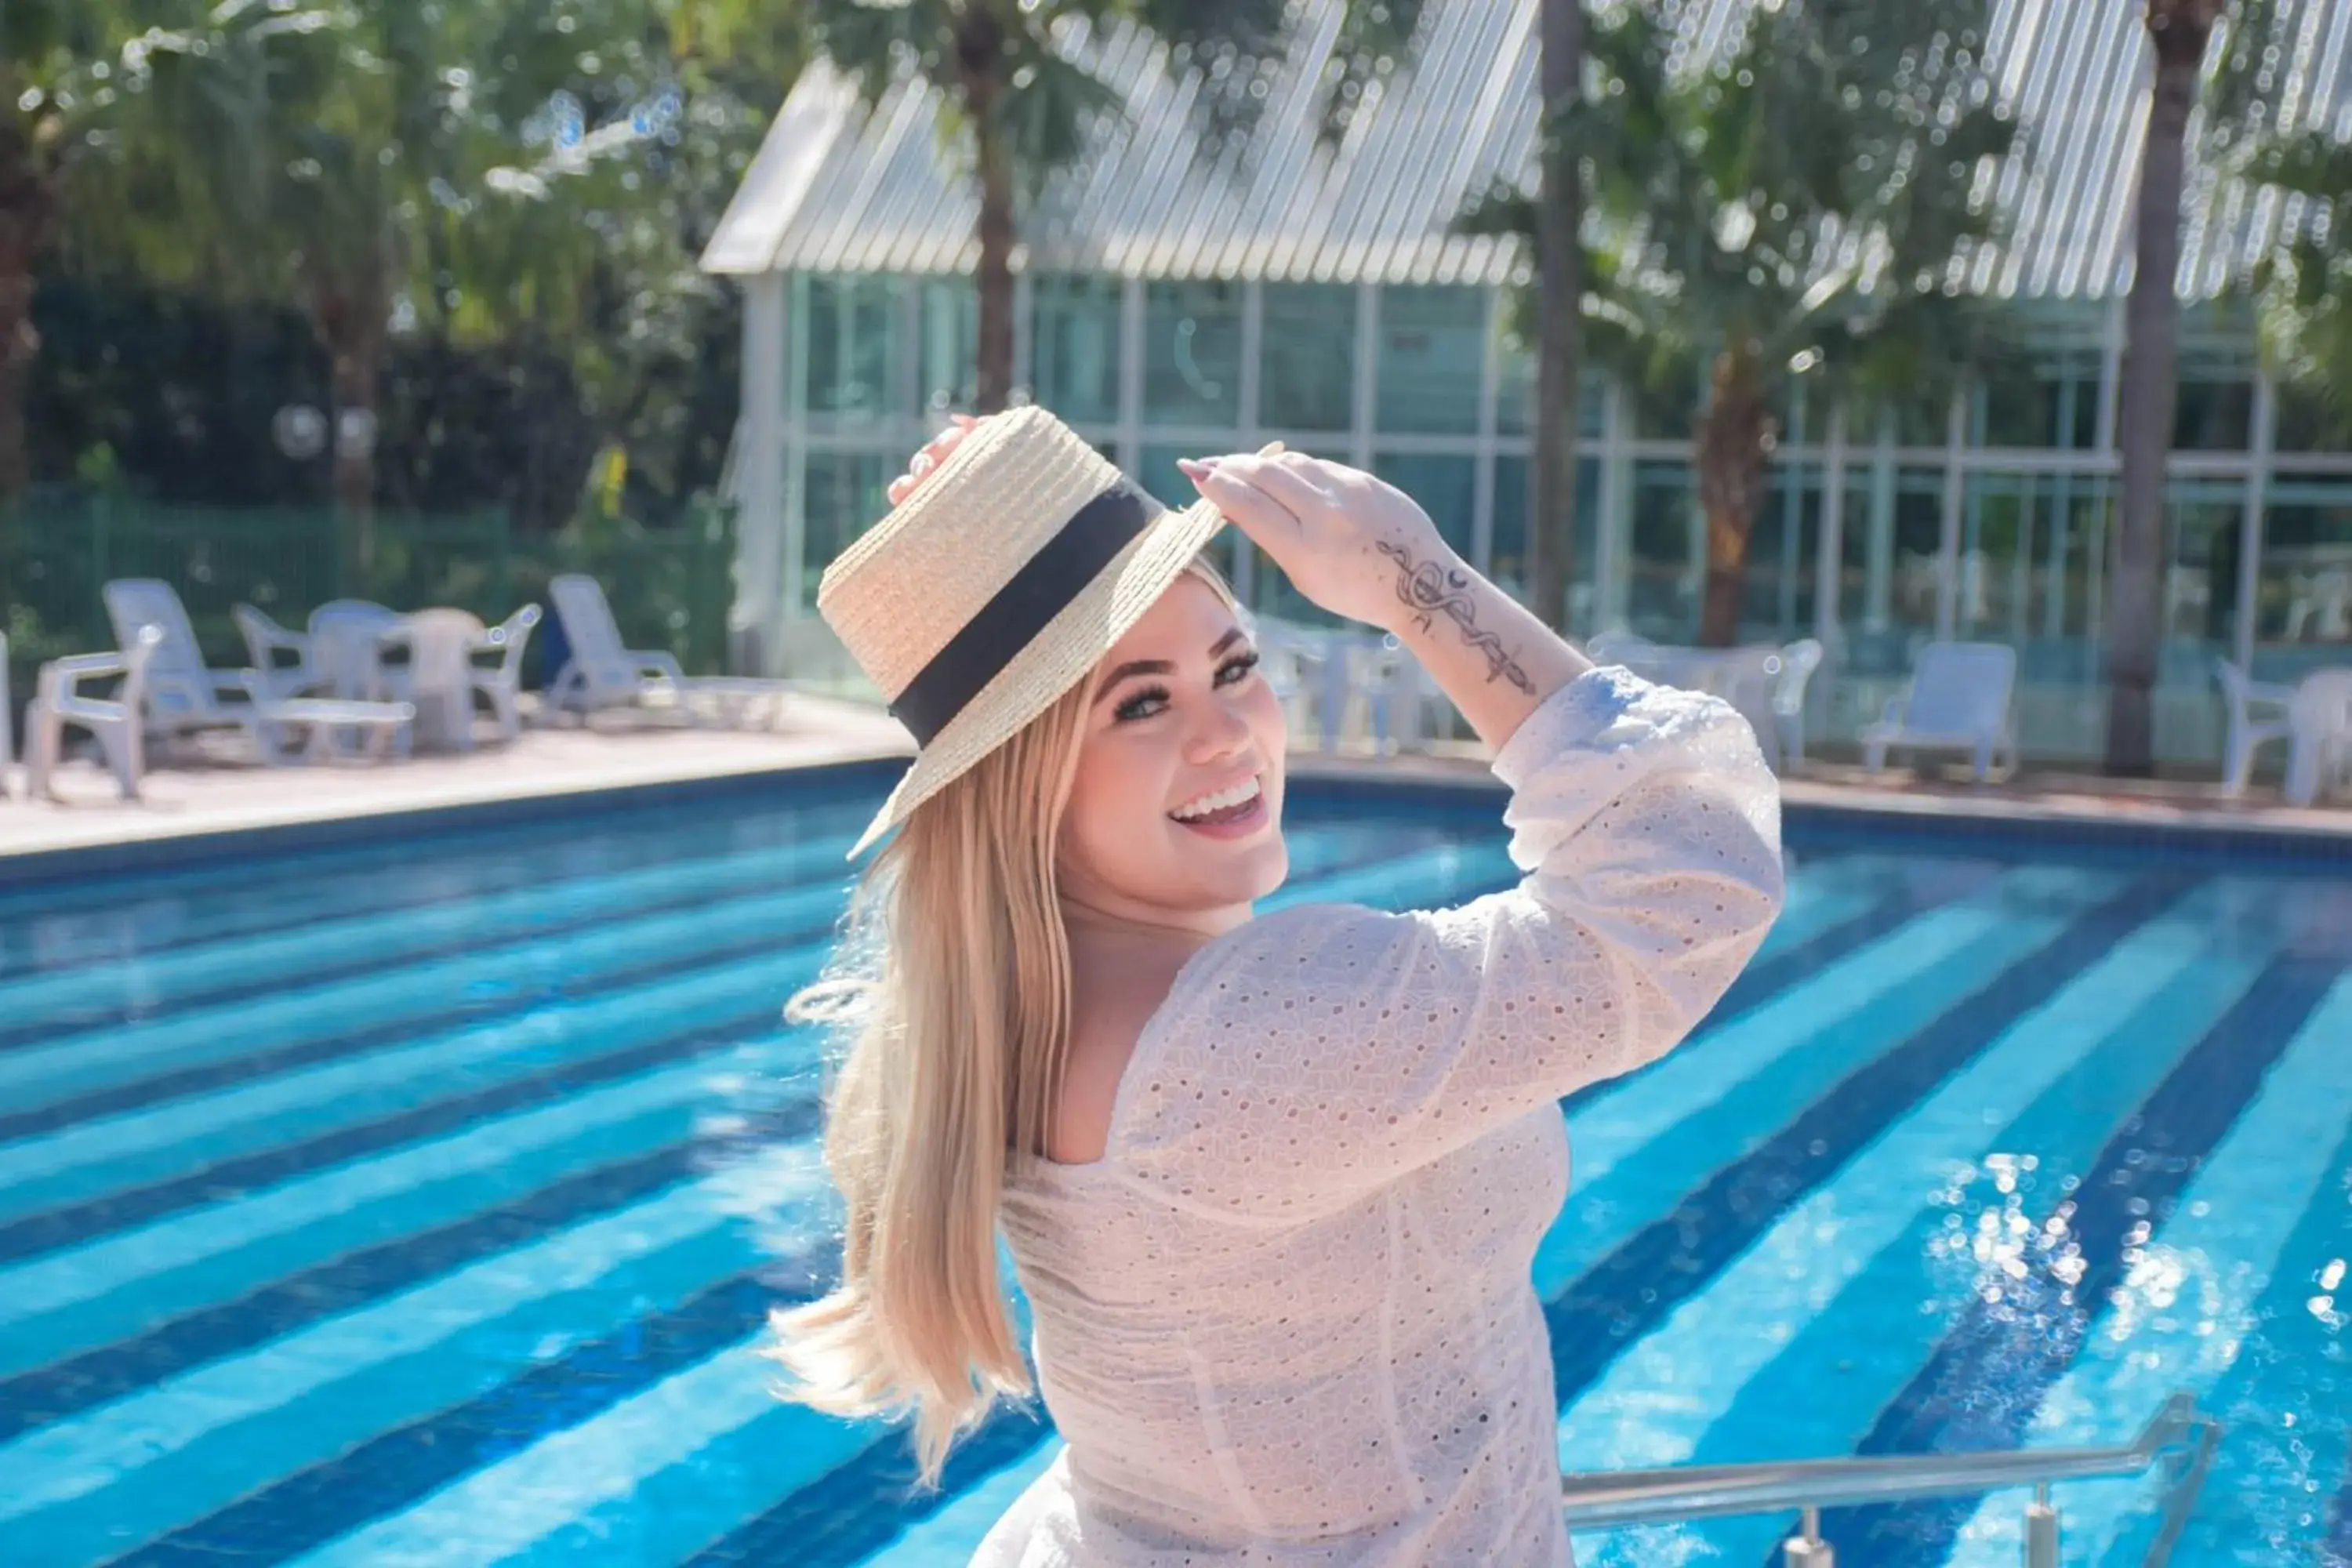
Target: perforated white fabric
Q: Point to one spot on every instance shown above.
(1286, 1318)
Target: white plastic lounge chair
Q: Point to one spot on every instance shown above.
(58, 700)
(265, 640)
(502, 683)
(2319, 754)
(179, 696)
(1798, 662)
(1958, 700)
(2249, 731)
(599, 673)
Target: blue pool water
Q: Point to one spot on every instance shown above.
(421, 1200)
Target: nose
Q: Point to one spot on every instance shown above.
(1220, 733)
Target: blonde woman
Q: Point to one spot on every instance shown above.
(1272, 1185)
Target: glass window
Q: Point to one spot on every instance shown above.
(2302, 602)
(2038, 408)
(1444, 485)
(1661, 592)
(1191, 353)
(1074, 348)
(853, 347)
(1159, 475)
(844, 494)
(951, 345)
(2213, 416)
(1307, 367)
(1515, 392)
(1507, 564)
(1433, 345)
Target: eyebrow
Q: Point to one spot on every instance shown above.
(1161, 667)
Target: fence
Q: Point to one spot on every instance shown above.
(669, 587)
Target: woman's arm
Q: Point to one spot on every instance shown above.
(1362, 548)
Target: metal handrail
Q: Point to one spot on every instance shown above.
(1708, 1492)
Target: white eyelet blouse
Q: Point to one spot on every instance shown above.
(1287, 1317)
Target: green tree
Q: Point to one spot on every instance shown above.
(1021, 105)
(2305, 291)
(1802, 204)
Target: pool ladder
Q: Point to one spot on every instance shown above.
(2182, 1435)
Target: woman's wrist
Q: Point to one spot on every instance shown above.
(1493, 659)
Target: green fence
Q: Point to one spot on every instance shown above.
(669, 587)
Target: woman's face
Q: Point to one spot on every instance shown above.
(1176, 814)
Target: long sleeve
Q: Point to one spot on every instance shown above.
(1324, 1051)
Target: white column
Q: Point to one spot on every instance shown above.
(1947, 547)
(764, 564)
(1879, 566)
(2249, 539)
(799, 328)
(1367, 372)
(1793, 517)
(1024, 339)
(1248, 397)
(1829, 561)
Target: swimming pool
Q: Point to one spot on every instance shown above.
(420, 1201)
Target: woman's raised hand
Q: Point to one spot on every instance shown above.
(1353, 544)
(933, 454)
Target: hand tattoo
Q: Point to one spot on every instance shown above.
(1429, 590)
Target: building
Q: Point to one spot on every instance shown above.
(1168, 307)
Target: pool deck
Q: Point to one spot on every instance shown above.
(204, 798)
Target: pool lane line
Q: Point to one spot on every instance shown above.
(2295, 1140)
(197, 976)
(247, 910)
(128, 1054)
(1987, 1378)
(2085, 1057)
(839, 1517)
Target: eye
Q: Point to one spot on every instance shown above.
(1142, 705)
(1236, 669)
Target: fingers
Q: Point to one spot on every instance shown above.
(1256, 513)
(934, 453)
(1292, 479)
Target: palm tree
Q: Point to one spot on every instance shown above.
(1559, 211)
(1800, 205)
(1022, 106)
(2305, 290)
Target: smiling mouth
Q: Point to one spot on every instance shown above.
(1232, 806)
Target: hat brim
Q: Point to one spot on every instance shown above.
(1055, 661)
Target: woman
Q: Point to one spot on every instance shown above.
(1273, 1185)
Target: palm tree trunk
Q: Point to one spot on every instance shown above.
(1733, 454)
(1551, 498)
(349, 325)
(28, 207)
(2151, 393)
(980, 51)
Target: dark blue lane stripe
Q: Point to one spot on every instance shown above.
(1628, 1294)
(2336, 1551)
(844, 1515)
(860, 1507)
(140, 1093)
(642, 846)
(402, 1467)
(1986, 1380)
(78, 1223)
(42, 1030)
(344, 1284)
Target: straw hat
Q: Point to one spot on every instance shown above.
(996, 587)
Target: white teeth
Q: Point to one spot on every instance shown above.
(1238, 795)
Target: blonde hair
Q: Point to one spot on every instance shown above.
(953, 988)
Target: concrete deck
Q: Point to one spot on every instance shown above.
(220, 797)
(202, 798)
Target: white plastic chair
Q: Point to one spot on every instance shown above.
(1306, 665)
(265, 640)
(2249, 731)
(2319, 752)
(346, 646)
(1798, 662)
(58, 700)
(437, 674)
(501, 683)
(180, 695)
(1958, 700)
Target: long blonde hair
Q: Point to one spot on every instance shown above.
(954, 988)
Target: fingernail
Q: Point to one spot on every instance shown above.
(1192, 465)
